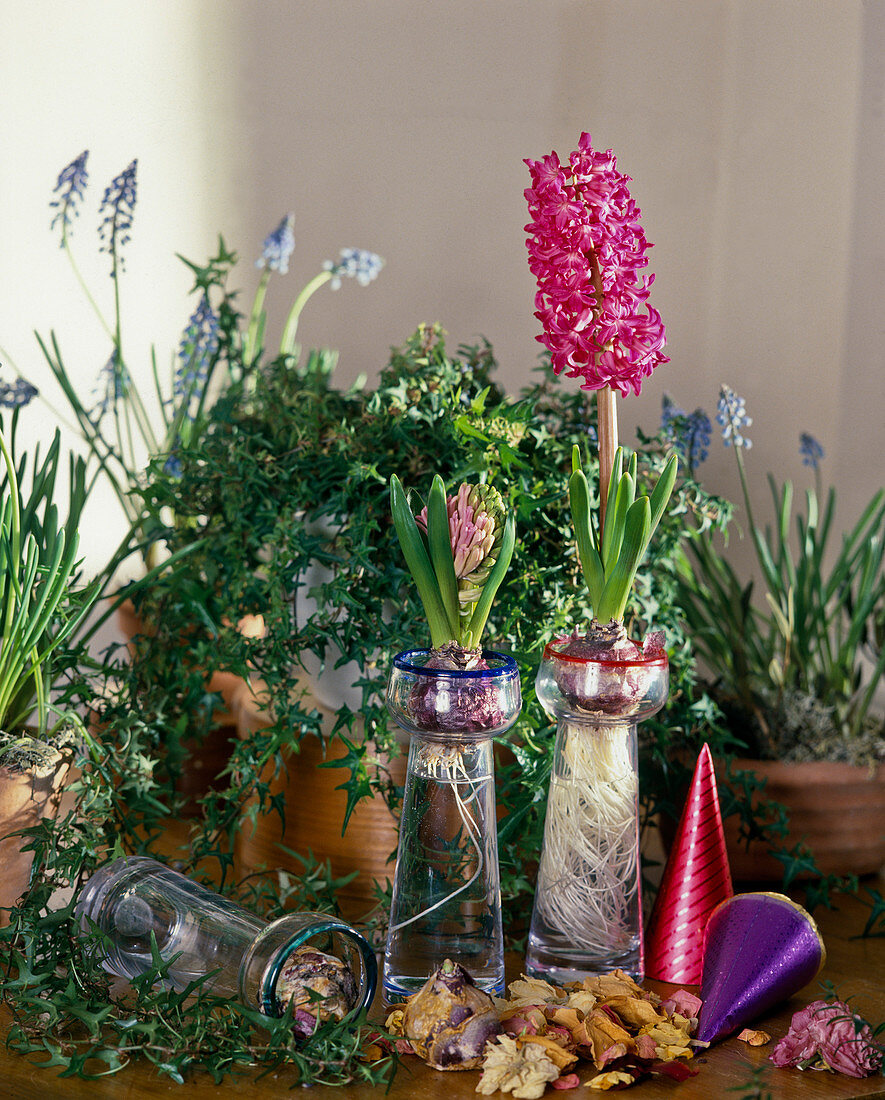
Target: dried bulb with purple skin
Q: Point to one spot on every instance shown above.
(319, 987)
(449, 1020)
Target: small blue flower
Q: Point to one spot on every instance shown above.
(732, 416)
(118, 208)
(70, 188)
(17, 394)
(278, 247)
(810, 450)
(199, 343)
(689, 432)
(172, 466)
(109, 388)
(354, 263)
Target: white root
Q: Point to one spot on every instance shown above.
(588, 878)
(445, 764)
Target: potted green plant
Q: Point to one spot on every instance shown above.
(796, 670)
(41, 608)
(314, 461)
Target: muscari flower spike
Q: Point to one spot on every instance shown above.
(199, 343)
(70, 188)
(354, 263)
(810, 450)
(688, 432)
(109, 388)
(586, 249)
(732, 417)
(278, 247)
(118, 209)
(458, 550)
(17, 394)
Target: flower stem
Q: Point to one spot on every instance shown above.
(607, 427)
(287, 344)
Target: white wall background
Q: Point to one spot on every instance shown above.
(753, 130)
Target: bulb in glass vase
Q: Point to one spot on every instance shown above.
(446, 901)
(587, 913)
(326, 968)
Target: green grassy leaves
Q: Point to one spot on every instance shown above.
(610, 559)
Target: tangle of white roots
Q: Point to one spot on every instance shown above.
(445, 764)
(589, 873)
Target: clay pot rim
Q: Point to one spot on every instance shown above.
(833, 770)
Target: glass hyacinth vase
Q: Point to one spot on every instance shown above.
(141, 907)
(446, 891)
(587, 915)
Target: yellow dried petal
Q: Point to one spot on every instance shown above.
(754, 1038)
(616, 984)
(394, 1022)
(634, 1011)
(555, 1051)
(536, 990)
(583, 1000)
(606, 1081)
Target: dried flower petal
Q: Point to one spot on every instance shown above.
(829, 1036)
(567, 1081)
(754, 1038)
(554, 1050)
(525, 1071)
(610, 1080)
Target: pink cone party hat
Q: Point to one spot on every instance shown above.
(759, 949)
(696, 879)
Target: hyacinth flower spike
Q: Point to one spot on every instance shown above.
(458, 550)
(609, 563)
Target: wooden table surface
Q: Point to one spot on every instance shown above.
(856, 968)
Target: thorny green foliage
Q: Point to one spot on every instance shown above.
(284, 507)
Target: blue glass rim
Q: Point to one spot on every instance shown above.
(506, 669)
(270, 1004)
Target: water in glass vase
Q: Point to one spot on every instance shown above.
(446, 895)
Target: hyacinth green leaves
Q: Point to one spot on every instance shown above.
(609, 560)
(458, 552)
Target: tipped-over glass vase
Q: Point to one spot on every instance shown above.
(587, 916)
(144, 910)
(446, 889)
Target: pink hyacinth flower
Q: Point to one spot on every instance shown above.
(586, 248)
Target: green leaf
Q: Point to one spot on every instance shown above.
(439, 545)
(620, 580)
(499, 569)
(419, 566)
(582, 522)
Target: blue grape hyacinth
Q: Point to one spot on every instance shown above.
(70, 188)
(732, 417)
(278, 247)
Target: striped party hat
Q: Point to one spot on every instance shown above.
(696, 879)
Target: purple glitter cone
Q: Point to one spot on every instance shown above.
(759, 949)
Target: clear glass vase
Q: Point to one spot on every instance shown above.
(446, 891)
(138, 903)
(587, 914)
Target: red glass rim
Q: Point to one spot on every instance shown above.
(637, 662)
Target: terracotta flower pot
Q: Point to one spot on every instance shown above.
(836, 809)
(314, 812)
(25, 799)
